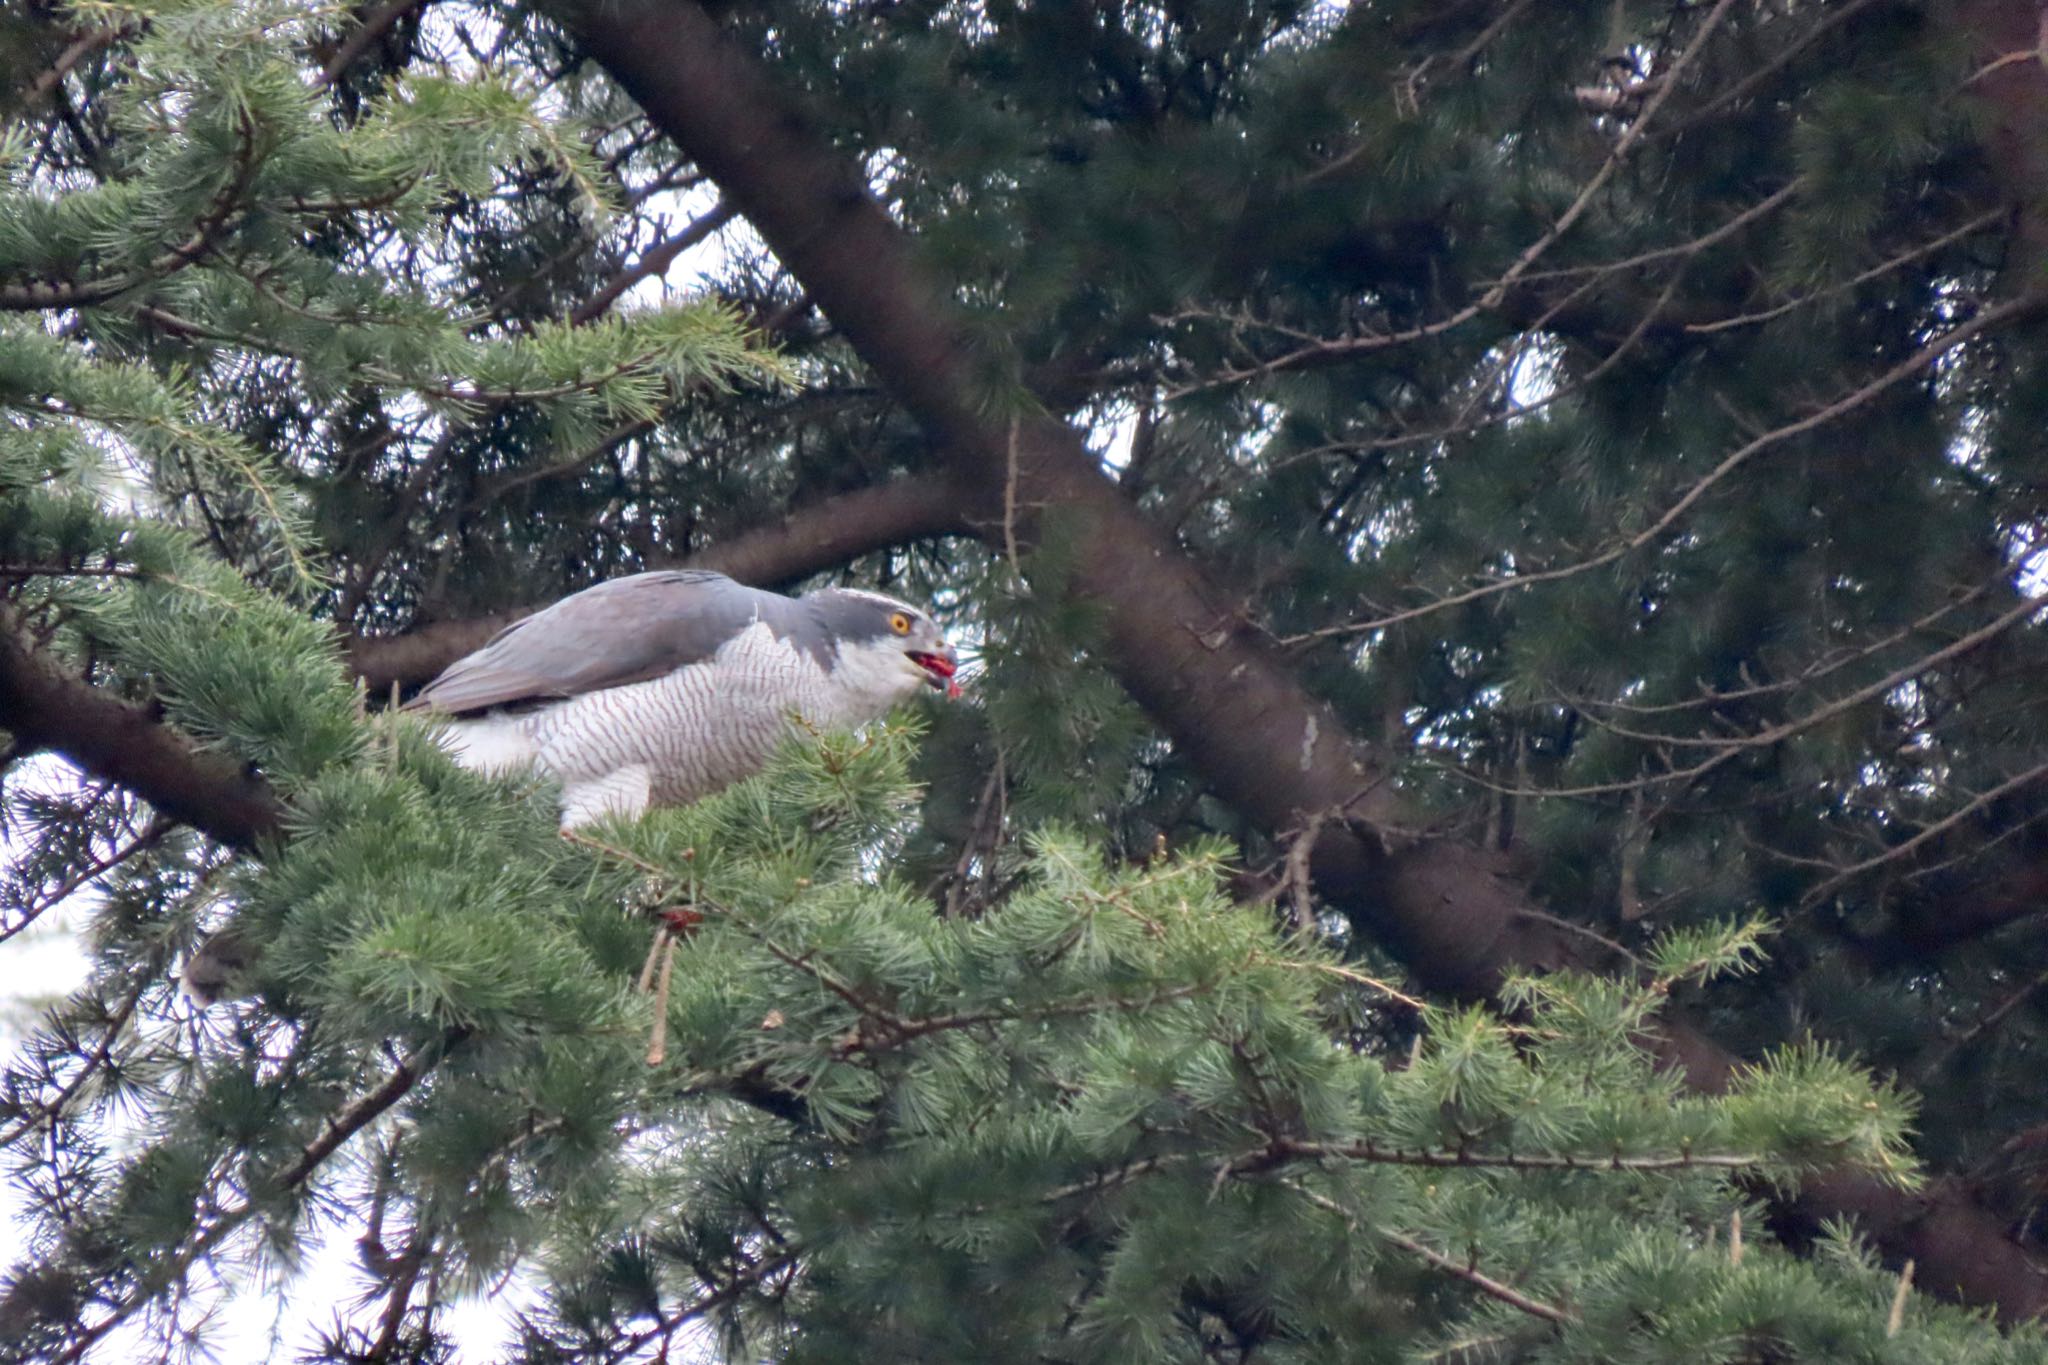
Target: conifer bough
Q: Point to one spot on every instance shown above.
(1452, 912)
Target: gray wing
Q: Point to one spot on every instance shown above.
(624, 631)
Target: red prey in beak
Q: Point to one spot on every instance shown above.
(939, 670)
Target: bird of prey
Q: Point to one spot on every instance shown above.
(660, 688)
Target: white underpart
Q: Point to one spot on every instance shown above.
(677, 738)
(493, 744)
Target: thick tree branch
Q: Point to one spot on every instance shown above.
(45, 707)
(1179, 644)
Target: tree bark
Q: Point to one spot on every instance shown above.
(45, 707)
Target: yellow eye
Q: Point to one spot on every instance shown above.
(900, 623)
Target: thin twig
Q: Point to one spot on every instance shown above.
(1911, 365)
(1831, 17)
(1470, 1274)
(657, 1046)
(653, 261)
(1625, 144)
(646, 982)
(1413, 84)
(43, 295)
(80, 48)
(1896, 1319)
(585, 841)
(1884, 267)
(366, 1109)
(704, 1303)
(339, 1129)
(1683, 249)
(1933, 831)
(1358, 978)
(45, 901)
(49, 1113)
(374, 26)
(1463, 1270)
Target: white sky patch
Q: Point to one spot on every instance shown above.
(1967, 448)
(2027, 548)
(44, 962)
(1533, 372)
(1112, 431)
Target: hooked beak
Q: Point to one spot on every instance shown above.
(939, 669)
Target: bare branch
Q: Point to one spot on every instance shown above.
(1916, 364)
(1466, 1270)
(1485, 1284)
(375, 24)
(53, 1109)
(80, 48)
(716, 1297)
(35, 906)
(1727, 749)
(1622, 147)
(653, 261)
(365, 1109)
(1906, 848)
(1907, 257)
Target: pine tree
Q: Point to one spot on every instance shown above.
(1501, 825)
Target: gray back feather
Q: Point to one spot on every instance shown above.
(620, 632)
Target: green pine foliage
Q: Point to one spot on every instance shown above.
(1066, 1112)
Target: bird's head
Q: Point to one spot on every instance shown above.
(894, 637)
